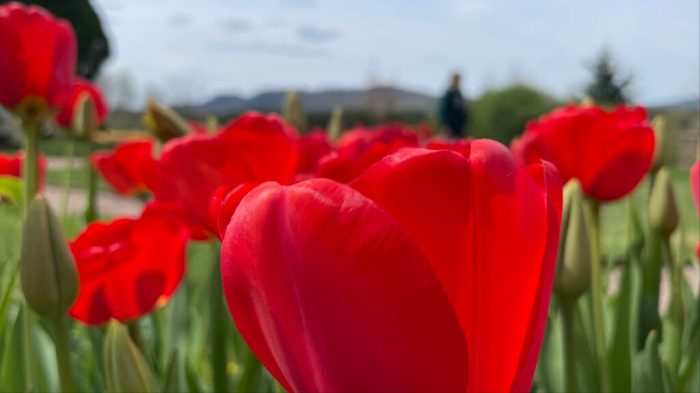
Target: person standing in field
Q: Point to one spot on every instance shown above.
(453, 110)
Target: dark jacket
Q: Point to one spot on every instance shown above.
(453, 113)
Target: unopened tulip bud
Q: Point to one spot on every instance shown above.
(48, 273)
(573, 275)
(335, 123)
(85, 122)
(165, 123)
(663, 211)
(126, 369)
(661, 143)
(293, 112)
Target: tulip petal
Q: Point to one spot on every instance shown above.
(482, 221)
(332, 295)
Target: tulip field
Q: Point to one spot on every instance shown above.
(264, 258)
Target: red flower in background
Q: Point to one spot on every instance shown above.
(11, 165)
(608, 152)
(253, 148)
(38, 56)
(312, 147)
(128, 266)
(361, 147)
(695, 190)
(80, 87)
(436, 266)
(129, 168)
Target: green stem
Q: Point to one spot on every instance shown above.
(30, 170)
(135, 334)
(567, 317)
(91, 208)
(217, 313)
(597, 296)
(70, 153)
(60, 337)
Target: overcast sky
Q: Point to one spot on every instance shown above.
(188, 50)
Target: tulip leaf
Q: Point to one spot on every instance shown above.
(620, 350)
(175, 379)
(550, 369)
(44, 371)
(14, 372)
(11, 190)
(648, 370)
(587, 373)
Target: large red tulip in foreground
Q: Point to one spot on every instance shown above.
(128, 266)
(608, 152)
(129, 168)
(37, 57)
(431, 271)
(253, 148)
(80, 87)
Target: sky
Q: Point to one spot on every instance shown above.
(190, 51)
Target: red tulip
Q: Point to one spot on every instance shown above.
(695, 190)
(432, 271)
(361, 147)
(129, 266)
(11, 165)
(38, 56)
(80, 87)
(312, 147)
(253, 148)
(608, 152)
(130, 168)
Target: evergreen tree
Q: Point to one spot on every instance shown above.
(607, 88)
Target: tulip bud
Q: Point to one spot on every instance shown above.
(293, 112)
(573, 275)
(662, 143)
(663, 212)
(165, 123)
(335, 123)
(125, 368)
(48, 273)
(85, 121)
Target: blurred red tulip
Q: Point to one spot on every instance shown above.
(608, 152)
(361, 147)
(80, 87)
(129, 266)
(253, 148)
(312, 147)
(432, 271)
(38, 57)
(129, 168)
(11, 165)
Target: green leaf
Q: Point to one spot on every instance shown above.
(44, 371)
(175, 378)
(550, 368)
(11, 190)
(126, 370)
(648, 370)
(14, 372)
(620, 347)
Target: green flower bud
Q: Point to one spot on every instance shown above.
(126, 369)
(663, 211)
(573, 275)
(85, 122)
(165, 123)
(293, 112)
(335, 123)
(48, 273)
(662, 143)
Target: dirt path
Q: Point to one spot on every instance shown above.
(108, 204)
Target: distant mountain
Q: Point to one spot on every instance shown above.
(322, 101)
(680, 106)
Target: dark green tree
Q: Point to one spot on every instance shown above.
(607, 87)
(93, 46)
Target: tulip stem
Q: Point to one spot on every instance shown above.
(70, 154)
(30, 170)
(91, 208)
(60, 338)
(597, 296)
(566, 310)
(217, 313)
